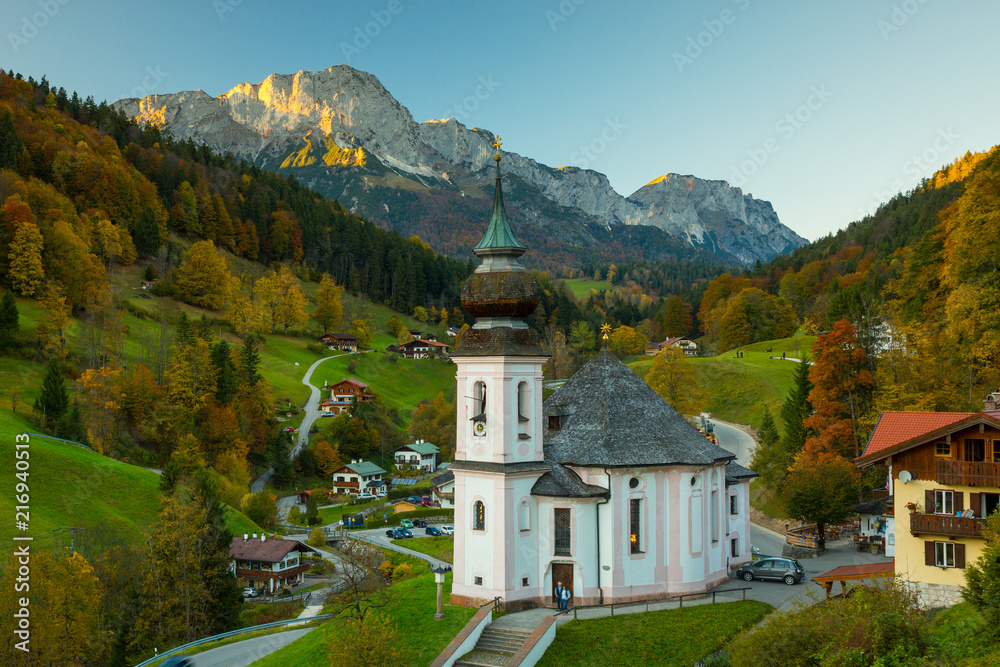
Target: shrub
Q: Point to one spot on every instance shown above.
(352, 366)
(316, 348)
(402, 571)
(386, 568)
(317, 538)
(295, 515)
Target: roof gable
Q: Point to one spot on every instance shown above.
(900, 430)
(263, 550)
(611, 417)
(364, 468)
(423, 448)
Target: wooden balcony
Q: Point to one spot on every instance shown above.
(967, 473)
(946, 524)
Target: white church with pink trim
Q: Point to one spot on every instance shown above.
(604, 486)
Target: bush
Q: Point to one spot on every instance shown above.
(316, 348)
(295, 515)
(386, 568)
(317, 538)
(402, 571)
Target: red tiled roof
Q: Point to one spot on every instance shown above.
(357, 383)
(896, 427)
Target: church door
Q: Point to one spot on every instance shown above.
(562, 572)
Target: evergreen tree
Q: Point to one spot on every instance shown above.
(204, 331)
(277, 457)
(184, 333)
(147, 233)
(10, 141)
(250, 361)
(226, 385)
(54, 401)
(9, 320)
(312, 511)
(796, 408)
(769, 459)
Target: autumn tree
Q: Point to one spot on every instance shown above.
(261, 508)
(752, 316)
(395, 326)
(202, 279)
(363, 332)
(677, 317)
(327, 458)
(558, 364)
(434, 422)
(101, 400)
(329, 307)
(672, 378)
(627, 342)
(714, 299)
(361, 642)
(25, 271)
(842, 386)
(420, 314)
(821, 490)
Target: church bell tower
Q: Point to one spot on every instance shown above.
(498, 453)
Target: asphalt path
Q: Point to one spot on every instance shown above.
(312, 413)
(378, 537)
(734, 440)
(246, 652)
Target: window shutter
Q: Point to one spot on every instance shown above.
(959, 555)
(929, 553)
(929, 501)
(976, 503)
(959, 500)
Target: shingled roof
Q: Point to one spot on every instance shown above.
(562, 482)
(735, 472)
(263, 550)
(610, 417)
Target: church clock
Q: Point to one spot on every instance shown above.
(479, 428)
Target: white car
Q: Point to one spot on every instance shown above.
(249, 592)
(446, 530)
(366, 496)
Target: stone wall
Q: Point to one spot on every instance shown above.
(798, 553)
(935, 595)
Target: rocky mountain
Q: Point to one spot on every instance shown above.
(340, 131)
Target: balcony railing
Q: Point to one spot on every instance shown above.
(968, 473)
(946, 524)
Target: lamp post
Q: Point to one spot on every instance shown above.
(439, 580)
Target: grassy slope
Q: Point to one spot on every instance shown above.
(411, 608)
(671, 637)
(436, 547)
(581, 286)
(742, 388)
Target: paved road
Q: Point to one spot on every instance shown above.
(246, 652)
(734, 440)
(378, 537)
(312, 414)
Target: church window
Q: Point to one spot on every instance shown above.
(633, 483)
(562, 525)
(734, 547)
(522, 402)
(734, 504)
(478, 581)
(478, 516)
(524, 516)
(555, 421)
(715, 516)
(635, 521)
(479, 400)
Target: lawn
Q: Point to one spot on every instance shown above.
(441, 548)
(742, 388)
(670, 637)
(581, 286)
(411, 607)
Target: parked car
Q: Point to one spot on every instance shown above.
(778, 569)
(366, 496)
(419, 523)
(406, 523)
(431, 530)
(177, 661)
(415, 500)
(249, 592)
(290, 429)
(446, 530)
(425, 501)
(398, 533)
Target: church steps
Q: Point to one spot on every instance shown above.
(495, 647)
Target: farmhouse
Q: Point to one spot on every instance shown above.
(272, 564)
(422, 349)
(444, 489)
(343, 393)
(418, 454)
(356, 477)
(688, 347)
(339, 341)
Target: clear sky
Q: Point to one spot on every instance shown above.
(823, 108)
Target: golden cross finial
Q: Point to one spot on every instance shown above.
(497, 144)
(606, 329)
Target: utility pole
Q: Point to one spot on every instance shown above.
(72, 535)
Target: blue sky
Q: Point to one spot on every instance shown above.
(823, 108)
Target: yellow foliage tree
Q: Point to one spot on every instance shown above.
(327, 457)
(203, 277)
(101, 398)
(627, 342)
(292, 309)
(329, 308)
(50, 330)
(672, 377)
(25, 252)
(189, 379)
(361, 329)
(362, 642)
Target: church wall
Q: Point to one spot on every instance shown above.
(739, 523)
(583, 547)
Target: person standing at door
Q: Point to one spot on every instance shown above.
(566, 595)
(557, 593)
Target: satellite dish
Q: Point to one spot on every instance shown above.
(905, 476)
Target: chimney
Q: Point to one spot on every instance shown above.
(255, 536)
(263, 537)
(245, 536)
(991, 401)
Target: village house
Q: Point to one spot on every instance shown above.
(339, 341)
(944, 477)
(358, 477)
(453, 331)
(268, 564)
(444, 489)
(422, 349)
(343, 393)
(688, 347)
(419, 454)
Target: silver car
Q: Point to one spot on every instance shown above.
(777, 569)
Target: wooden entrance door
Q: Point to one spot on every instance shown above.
(562, 572)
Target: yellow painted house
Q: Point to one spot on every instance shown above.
(946, 467)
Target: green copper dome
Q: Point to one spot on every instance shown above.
(498, 233)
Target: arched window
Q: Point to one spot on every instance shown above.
(522, 401)
(479, 400)
(524, 516)
(478, 515)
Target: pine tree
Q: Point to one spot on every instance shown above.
(250, 361)
(204, 331)
(147, 233)
(9, 320)
(10, 141)
(796, 408)
(54, 400)
(185, 334)
(226, 385)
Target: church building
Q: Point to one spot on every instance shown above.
(604, 486)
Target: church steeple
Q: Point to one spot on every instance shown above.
(499, 237)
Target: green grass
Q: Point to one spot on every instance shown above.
(411, 607)
(441, 548)
(670, 637)
(581, 286)
(742, 388)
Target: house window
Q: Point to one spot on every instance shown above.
(635, 520)
(944, 554)
(524, 516)
(734, 547)
(944, 502)
(562, 524)
(975, 449)
(942, 449)
(734, 504)
(478, 516)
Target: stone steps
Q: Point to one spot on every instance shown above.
(495, 647)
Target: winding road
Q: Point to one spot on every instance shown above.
(734, 440)
(312, 414)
